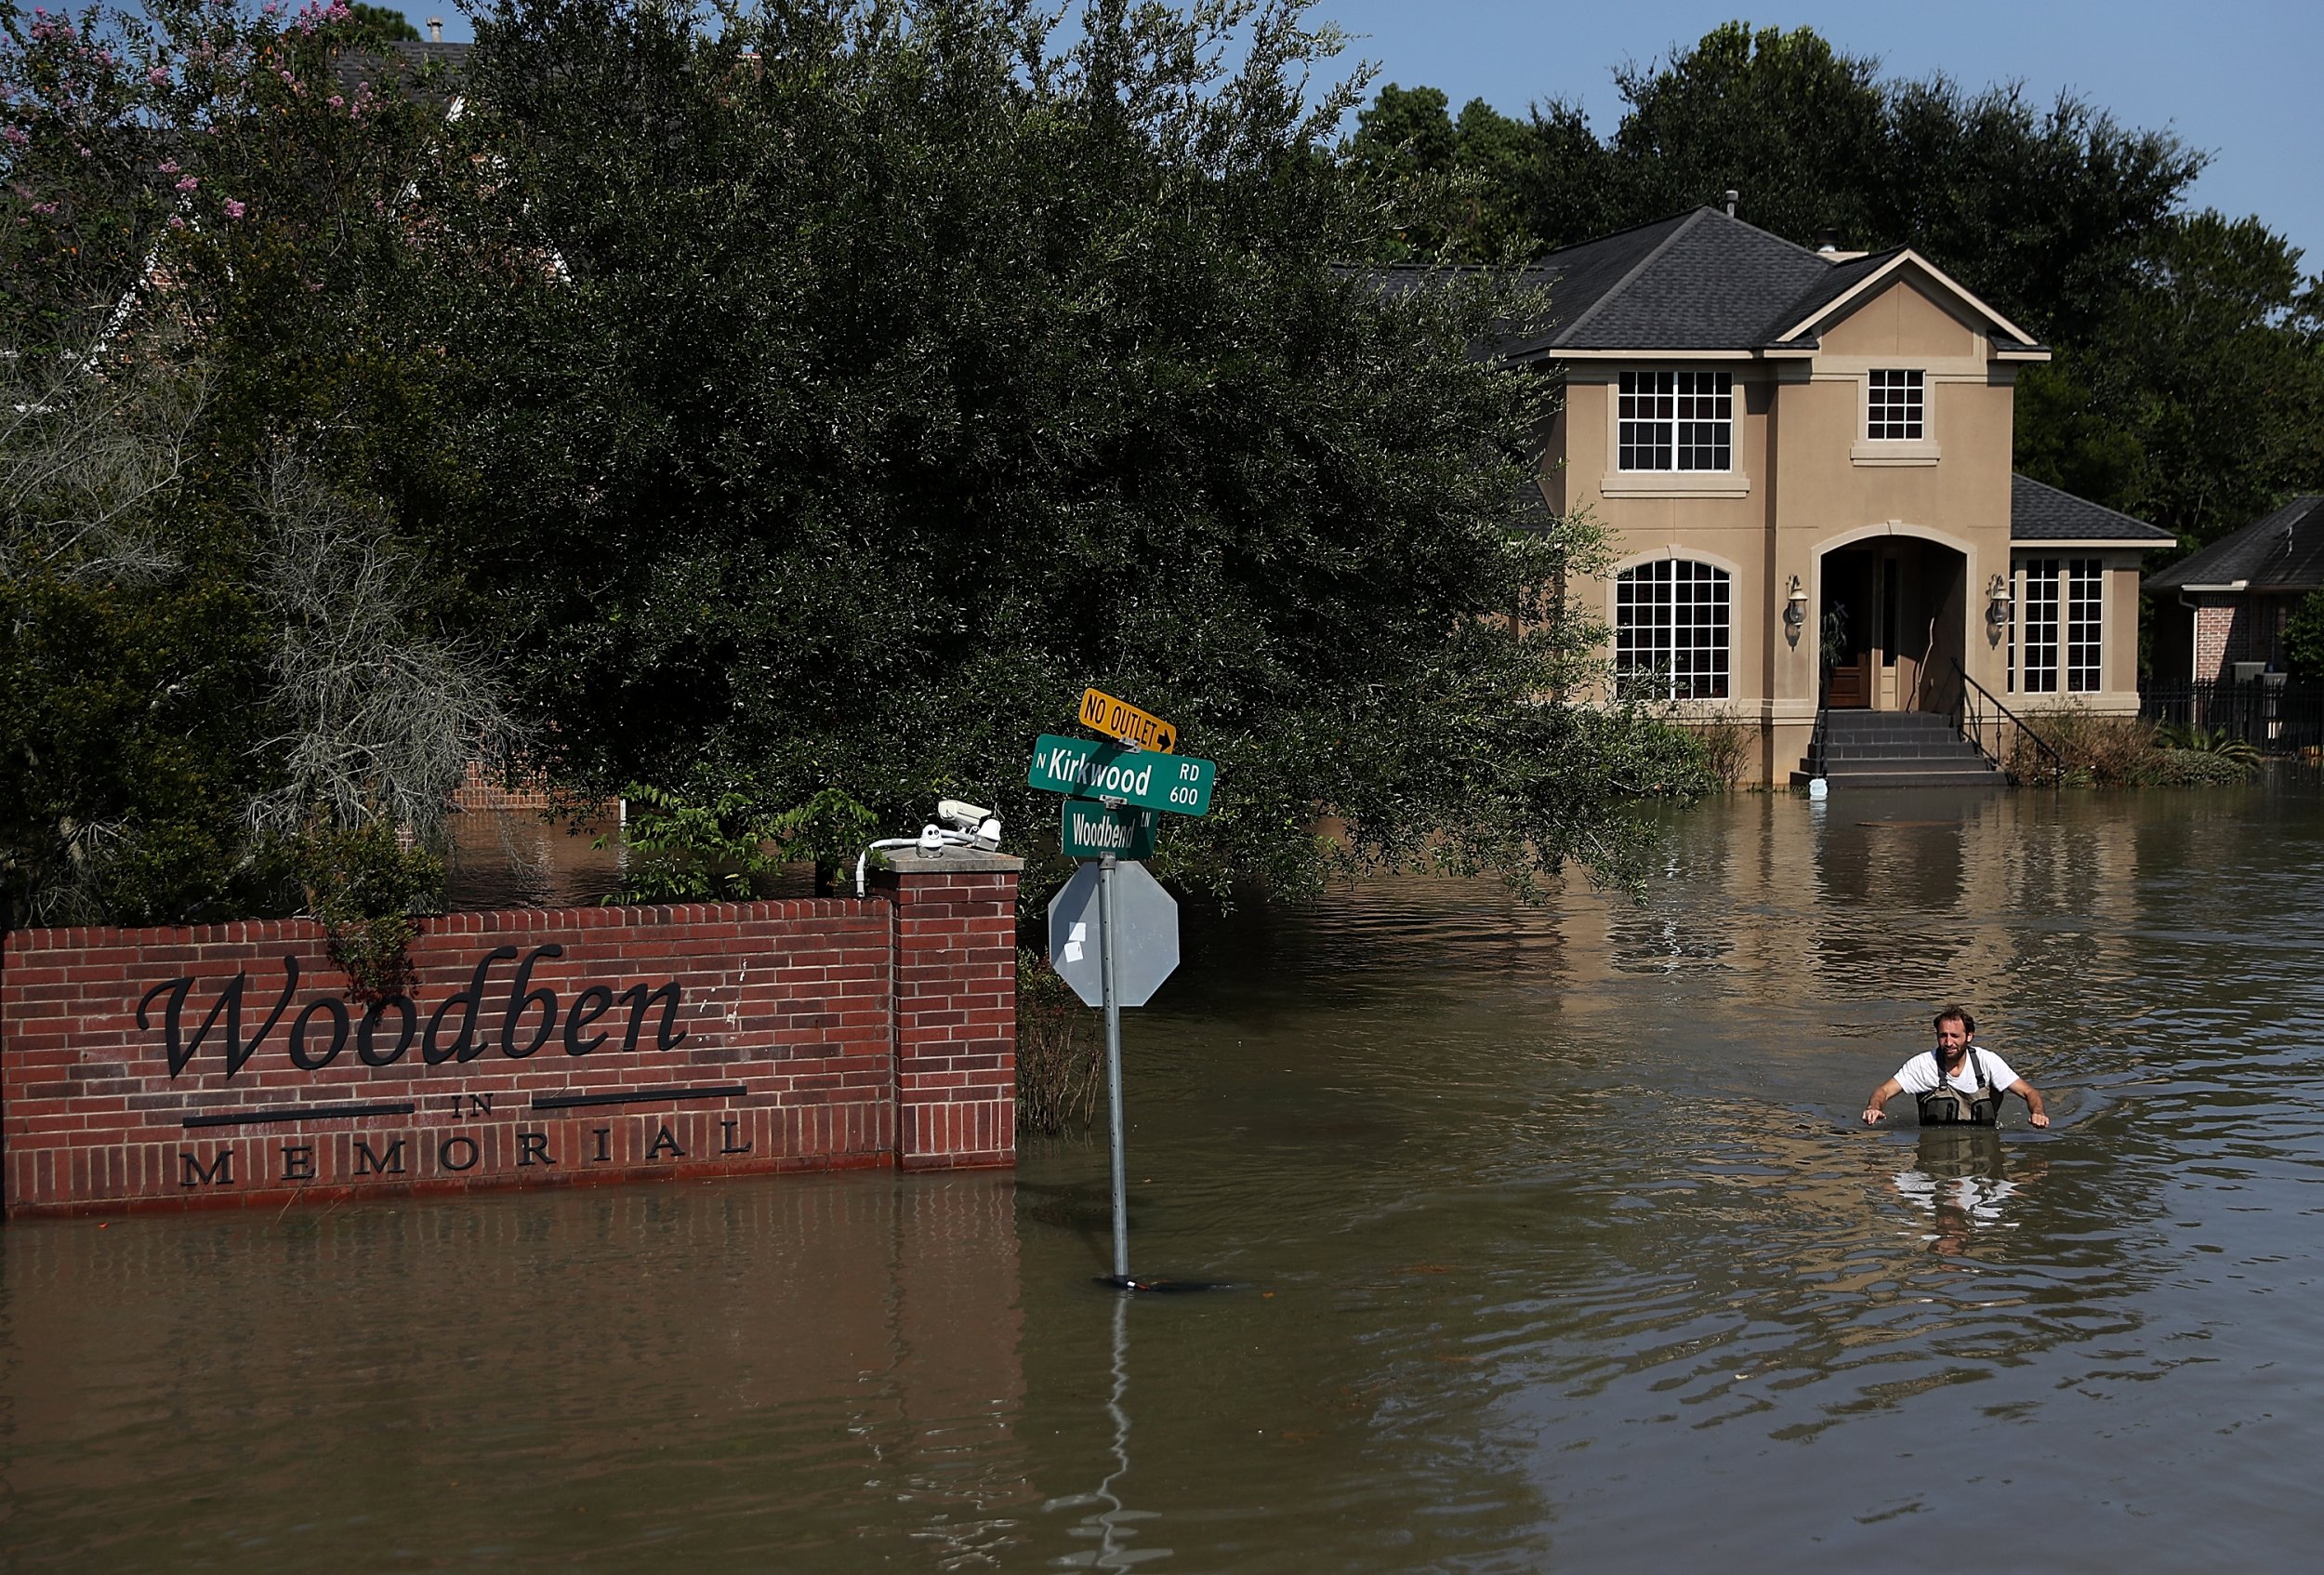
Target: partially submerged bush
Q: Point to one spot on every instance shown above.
(1726, 741)
(1059, 1062)
(2117, 751)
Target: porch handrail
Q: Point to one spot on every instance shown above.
(1972, 726)
(1819, 741)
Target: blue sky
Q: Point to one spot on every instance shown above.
(2235, 78)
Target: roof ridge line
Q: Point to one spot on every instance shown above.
(1625, 229)
(1628, 278)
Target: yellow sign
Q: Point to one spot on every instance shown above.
(1119, 718)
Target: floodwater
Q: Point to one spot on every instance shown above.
(1553, 1238)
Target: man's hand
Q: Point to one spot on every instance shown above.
(2037, 1118)
(1873, 1113)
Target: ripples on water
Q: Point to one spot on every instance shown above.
(1558, 1246)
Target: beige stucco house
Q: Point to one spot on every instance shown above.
(1789, 448)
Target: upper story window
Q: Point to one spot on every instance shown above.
(1677, 421)
(1898, 407)
(1671, 630)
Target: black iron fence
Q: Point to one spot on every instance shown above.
(2277, 717)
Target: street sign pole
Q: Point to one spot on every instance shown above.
(1106, 966)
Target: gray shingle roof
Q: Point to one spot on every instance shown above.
(2283, 550)
(1698, 281)
(401, 61)
(2043, 513)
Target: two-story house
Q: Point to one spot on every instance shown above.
(1802, 460)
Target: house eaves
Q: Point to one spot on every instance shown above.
(1890, 266)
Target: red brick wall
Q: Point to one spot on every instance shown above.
(956, 1017)
(809, 1034)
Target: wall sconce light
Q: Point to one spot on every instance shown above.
(1996, 599)
(1794, 611)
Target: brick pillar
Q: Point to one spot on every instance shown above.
(955, 1007)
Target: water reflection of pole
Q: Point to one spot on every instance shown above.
(1113, 1071)
(1110, 1555)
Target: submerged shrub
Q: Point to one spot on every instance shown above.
(1060, 1062)
(2118, 751)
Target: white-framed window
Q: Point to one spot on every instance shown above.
(2057, 642)
(1671, 631)
(1897, 408)
(2085, 590)
(1677, 421)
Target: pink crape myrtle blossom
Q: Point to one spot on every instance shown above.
(234, 209)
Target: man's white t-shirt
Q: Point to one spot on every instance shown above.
(1924, 1072)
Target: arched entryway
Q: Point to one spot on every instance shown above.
(1891, 623)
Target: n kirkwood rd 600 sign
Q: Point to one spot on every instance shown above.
(1088, 769)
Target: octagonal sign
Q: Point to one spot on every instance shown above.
(1145, 935)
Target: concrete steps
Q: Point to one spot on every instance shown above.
(1898, 749)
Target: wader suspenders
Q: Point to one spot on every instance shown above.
(1942, 1105)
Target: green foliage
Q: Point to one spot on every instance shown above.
(364, 884)
(2304, 638)
(127, 738)
(2115, 751)
(209, 374)
(726, 848)
(901, 377)
(1448, 188)
(2208, 741)
(1727, 741)
(375, 25)
(1780, 116)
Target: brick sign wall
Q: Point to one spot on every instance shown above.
(229, 1062)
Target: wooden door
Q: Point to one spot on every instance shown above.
(1846, 629)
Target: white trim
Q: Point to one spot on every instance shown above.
(1896, 527)
(1895, 451)
(1676, 484)
(1886, 271)
(1673, 552)
(2026, 544)
(1634, 356)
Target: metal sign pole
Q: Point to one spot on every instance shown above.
(1107, 964)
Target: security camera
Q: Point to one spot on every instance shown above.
(980, 823)
(960, 814)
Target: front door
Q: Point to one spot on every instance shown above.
(1846, 629)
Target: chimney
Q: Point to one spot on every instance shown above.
(435, 30)
(1732, 196)
(1826, 240)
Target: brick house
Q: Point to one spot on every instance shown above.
(1794, 450)
(2225, 606)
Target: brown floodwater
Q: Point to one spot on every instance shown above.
(1551, 1243)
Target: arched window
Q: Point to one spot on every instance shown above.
(1671, 631)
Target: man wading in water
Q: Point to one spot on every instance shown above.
(1957, 1084)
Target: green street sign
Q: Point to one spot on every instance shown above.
(1092, 831)
(1088, 769)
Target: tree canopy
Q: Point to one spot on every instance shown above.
(887, 375)
(790, 409)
